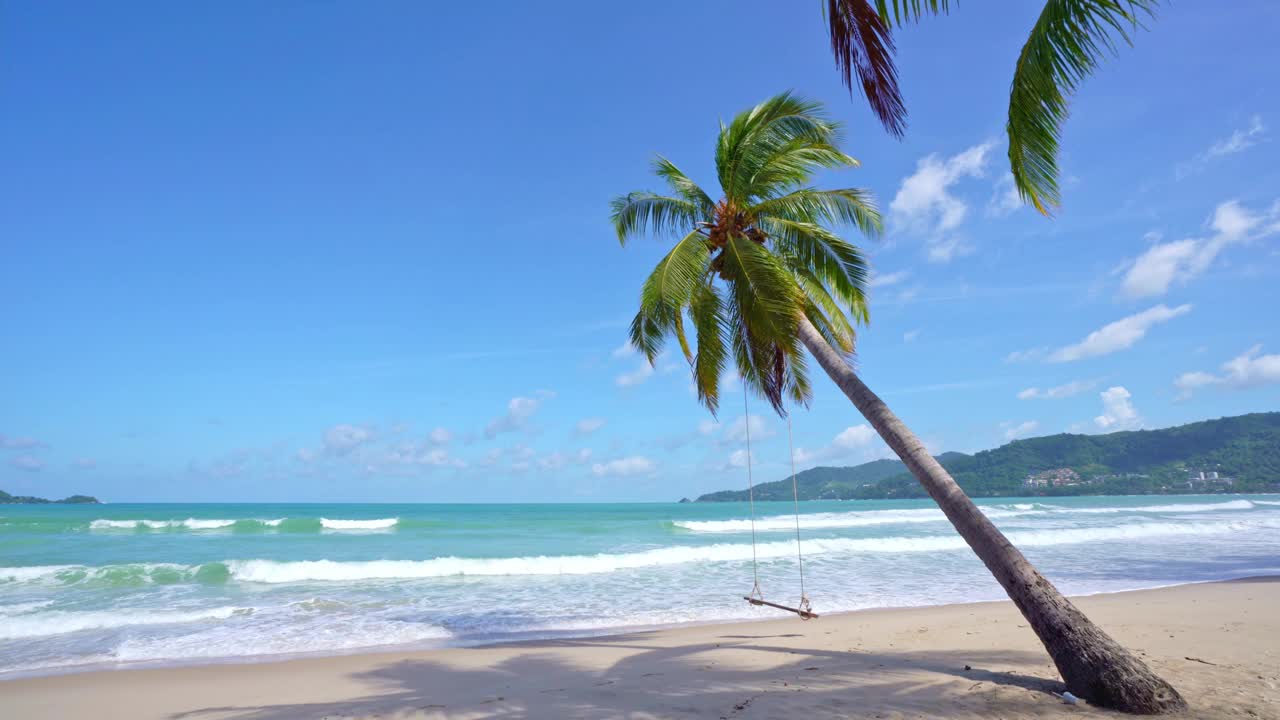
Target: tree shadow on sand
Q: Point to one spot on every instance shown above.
(698, 680)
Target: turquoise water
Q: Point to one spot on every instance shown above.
(120, 585)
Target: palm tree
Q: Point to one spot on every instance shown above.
(758, 274)
(1065, 45)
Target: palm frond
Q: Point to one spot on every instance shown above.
(785, 166)
(751, 138)
(848, 205)
(706, 309)
(862, 43)
(681, 185)
(839, 331)
(901, 12)
(666, 293)
(839, 265)
(748, 268)
(765, 293)
(1065, 46)
(640, 213)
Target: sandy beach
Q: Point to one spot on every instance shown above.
(1218, 643)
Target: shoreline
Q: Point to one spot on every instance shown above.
(851, 664)
(603, 633)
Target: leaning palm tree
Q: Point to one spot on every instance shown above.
(1065, 45)
(759, 274)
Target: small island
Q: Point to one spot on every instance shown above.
(7, 499)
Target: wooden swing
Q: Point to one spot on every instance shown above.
(803, 609)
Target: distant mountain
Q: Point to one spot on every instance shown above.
(1233, 454)
(7, 499)
(823, 483)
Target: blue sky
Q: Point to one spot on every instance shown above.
(330, 252)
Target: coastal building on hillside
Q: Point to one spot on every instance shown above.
(1208, 480)
(1058, 477)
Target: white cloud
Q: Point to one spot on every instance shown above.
(1238, 141)
(86, 463)
(1004, 197)
(707, 427)
(1057, 392)
(1119, 335)
(27, 463)
(343, 438)
(588, 426)
(519, 410)
(1248, 369)
(305, 455)
(925, 203)
(856, 436)
(557, 460)
(944, 250)
(887, 279)
(736, 432)
(861, 440)
(910, 335)
(738, 459)
(635, 377)
(1118, 412)
(624, 467)
(1178, 262)
(409, 455)
(19, 443)
(626, 349)
(1025, 355)
(440, 436)
(1023, 429)
(908, 294)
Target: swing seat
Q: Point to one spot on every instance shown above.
(804, 614)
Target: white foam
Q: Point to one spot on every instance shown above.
(189, 523)
(62, 622)
(195, 524)
(23, 608)
(1265, 502)
(34, 572)
(379, 524)
(257, 640)
(816, 521)
(1171, 508)
(68, 574)
(274, 523)
(274, 572)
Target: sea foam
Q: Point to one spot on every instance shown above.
(275, 572)
(378, 524)
(63, 622)
(864, 518)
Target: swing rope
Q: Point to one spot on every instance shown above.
(756, 597)
(751, 498)
(795, 496)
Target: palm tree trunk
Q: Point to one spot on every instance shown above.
(1094, 666)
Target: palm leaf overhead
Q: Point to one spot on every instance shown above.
(1066, 44)
(745, 269)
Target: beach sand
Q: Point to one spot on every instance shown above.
(1219, 644)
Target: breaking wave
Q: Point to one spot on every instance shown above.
(62, 622)
(816, 521)
(243, 524)
(380, 524)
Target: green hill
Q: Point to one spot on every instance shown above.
(823, 483)
(7, 499)
(1243, 452)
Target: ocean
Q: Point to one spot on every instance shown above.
(127, 585)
